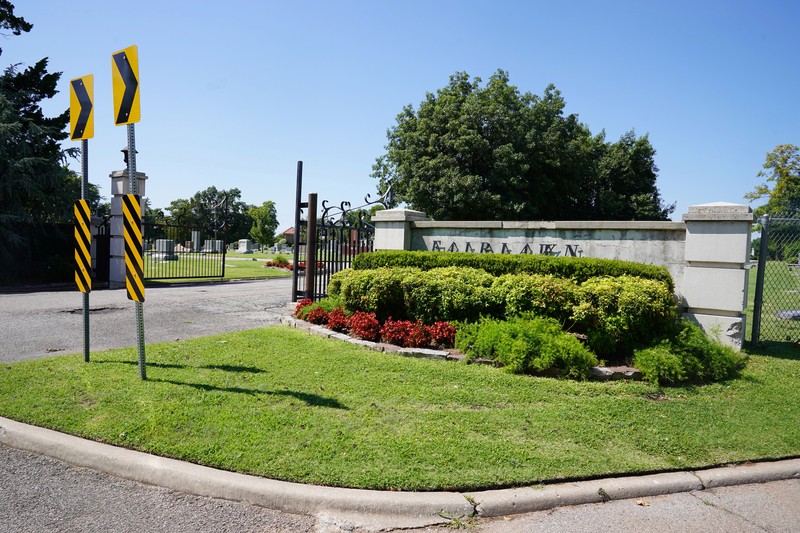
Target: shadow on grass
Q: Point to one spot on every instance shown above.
(226, 368)
(781, 350)
(310, 399)
(235, 368)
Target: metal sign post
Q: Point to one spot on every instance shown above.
(81, 118)
(127, 111)
(139, 303)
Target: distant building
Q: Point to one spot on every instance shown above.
(288, 234)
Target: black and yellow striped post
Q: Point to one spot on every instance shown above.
(83, 246)
(134, 264)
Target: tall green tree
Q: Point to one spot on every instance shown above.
(781, 170)
(215, 211)
(34, 179)
(492, 152)
(265, 223)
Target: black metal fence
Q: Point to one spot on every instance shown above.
(776, 308)
(178, 252)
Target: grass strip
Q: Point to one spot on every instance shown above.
(279, 403)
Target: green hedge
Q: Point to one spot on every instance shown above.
(578, 269)
(623, 313)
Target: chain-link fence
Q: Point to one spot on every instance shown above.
(776, 313)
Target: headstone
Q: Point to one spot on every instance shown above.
(212, 246)
(165, 250)
(195, 241)
(245, 246)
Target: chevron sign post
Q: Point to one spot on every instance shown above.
(81, 128)
(125, 82)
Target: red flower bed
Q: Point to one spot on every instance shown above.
(364, 325)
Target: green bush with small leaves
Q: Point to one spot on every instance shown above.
(527, 345)
(623, 313)
(542, 295)
(448, 294)
(378, 291)
(688, 355)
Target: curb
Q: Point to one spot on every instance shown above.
(364, 508)
(372, 510)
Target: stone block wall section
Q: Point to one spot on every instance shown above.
(707, 253)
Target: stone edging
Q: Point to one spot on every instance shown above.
(597, 373)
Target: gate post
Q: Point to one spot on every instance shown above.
(120, 186)
(311, 247)
(717, 266)
(762, 267)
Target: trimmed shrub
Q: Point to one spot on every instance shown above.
(364, 325)
(542, 295)
(451, 293)
(621, 314)
(377, 291)
(527, 345)
(688, 355)
(579, 269)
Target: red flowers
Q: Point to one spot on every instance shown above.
(366, 326)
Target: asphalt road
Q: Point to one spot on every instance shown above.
(40, 324)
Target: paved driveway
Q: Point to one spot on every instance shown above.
(41, 324)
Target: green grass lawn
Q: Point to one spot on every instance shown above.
(279, 403)
(781, 293)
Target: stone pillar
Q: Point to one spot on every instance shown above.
(717, 266)
(393, 228)
(120, 186)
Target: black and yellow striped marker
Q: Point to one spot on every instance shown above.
(134, 265)
(83, 246)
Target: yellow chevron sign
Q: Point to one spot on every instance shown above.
(125, 85)
(83, 246)
(134, 264)
(81, 109)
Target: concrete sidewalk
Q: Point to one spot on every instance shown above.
(374, 510)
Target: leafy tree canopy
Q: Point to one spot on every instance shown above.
(782, 170)
(265, 223)
(491, 152)
(207, 210)
(35, 183)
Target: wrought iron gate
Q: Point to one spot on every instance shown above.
(177, 251)
(327, 244)
(776, 307)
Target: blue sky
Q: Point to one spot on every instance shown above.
(234, 93)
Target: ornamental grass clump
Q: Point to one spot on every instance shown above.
(527, 345)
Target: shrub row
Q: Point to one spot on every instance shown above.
(578, 269)
(616, 314)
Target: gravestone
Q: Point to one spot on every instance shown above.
(245, 246)
(164, 250)
(212, 246)
(195, 241)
